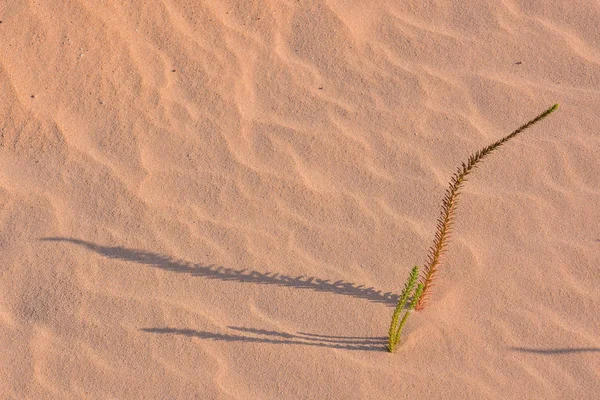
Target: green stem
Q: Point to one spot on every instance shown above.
(406, 292)
(413, 303)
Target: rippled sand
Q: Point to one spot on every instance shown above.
(221, 200)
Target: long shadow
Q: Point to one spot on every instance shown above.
(274, 337)
(229, 274)
(565, 350)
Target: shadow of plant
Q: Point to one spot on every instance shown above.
(274, 337)
(229, 274)
(565, 350)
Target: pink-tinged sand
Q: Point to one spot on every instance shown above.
(222, 200)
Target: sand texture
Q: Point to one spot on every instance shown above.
(222, 199)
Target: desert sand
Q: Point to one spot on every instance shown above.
(222, 199)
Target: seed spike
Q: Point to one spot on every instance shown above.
(445, 220)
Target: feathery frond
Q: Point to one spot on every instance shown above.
(446, 218)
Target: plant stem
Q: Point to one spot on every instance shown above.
(445, 221)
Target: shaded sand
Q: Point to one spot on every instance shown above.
(221, 200)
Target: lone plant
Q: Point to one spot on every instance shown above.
(444, 228)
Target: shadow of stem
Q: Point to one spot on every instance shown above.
(229, 274)
(274, 337)
(564, 350)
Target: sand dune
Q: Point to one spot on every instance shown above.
(221, 200)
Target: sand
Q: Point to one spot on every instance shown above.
(222, 200)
